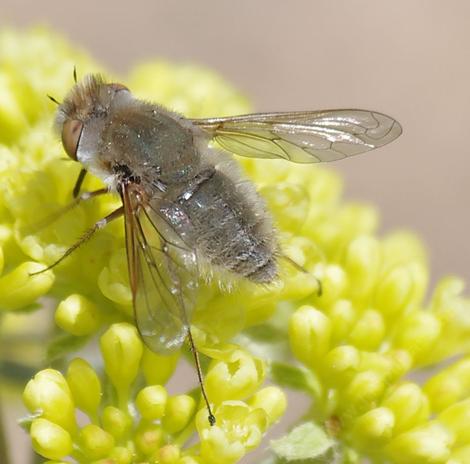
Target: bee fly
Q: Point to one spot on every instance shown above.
(187, 208)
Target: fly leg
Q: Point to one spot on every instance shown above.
(78, 183)
(184, 317)
(211, 417)
(101, 224)
(77, 199)
(302, 269)
(59, 213)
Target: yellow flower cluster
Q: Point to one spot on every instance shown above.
(357, 345)
(361, 344)
(134, 423)
(92, 286)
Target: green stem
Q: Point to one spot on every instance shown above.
(4, 456)
(36, 458)
(123, 398)
(185, 435)
(192, 449)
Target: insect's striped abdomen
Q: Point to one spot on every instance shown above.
(230, 230)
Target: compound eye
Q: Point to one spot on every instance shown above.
(71, 133)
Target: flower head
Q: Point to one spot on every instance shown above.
(364, 339)
(134, 422)
(352, 349)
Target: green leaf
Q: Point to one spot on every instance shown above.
(64, 345)
(267, 350)
(25, 422)
(19, 374)
(307, 442)
(270, 460)
(295, 377)
(266, 333)
(269, 338)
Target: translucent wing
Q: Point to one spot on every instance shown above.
(303, 137)
(163, 276)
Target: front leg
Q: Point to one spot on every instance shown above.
(101, 224)
(79, 182)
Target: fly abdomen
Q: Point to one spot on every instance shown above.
(230, 230)
(263, 272)
(253, 259)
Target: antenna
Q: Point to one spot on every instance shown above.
(75, 74)
(53, 99)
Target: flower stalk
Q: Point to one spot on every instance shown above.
(4, 451)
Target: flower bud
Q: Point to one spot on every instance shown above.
(357, 219)
(238, 429)
(272, 400)
(2, 258)
(148, 438)
(178, 412)
(447, 292)
(369, 330)
(224, 315)
(168, 454)
(362, 262)
(258, 311)
(340, 365)
(325, 190)
(361, 393)
(342, 316)
(189, 460)
(401, 362)
(304, 251)
(418, 332)
(460, 455)
(457, 419)
(420, 277)
(394, 291)
(113, 281)
(49, 394)
(50, 440)
(77, 315)
(333, 280)
(12, 118)
(373, 361)
(452, 310)
(428, 443)
(151, 402)
(449, 385)
(288, 202)
(85, 386)
(402, 246)
(116, 422)
(19, 288)
(309, 335)
(121, 348)
(95, 442)
(121, 455)
(158, 368)
(409, 404)
(374, 428)
(256, 299)
(235, 377)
